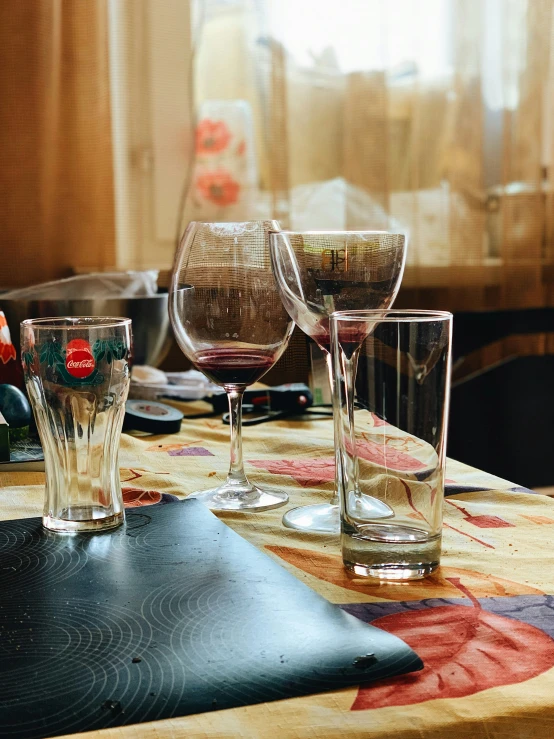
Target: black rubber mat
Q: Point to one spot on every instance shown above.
(172, 614)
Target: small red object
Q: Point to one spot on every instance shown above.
(11, 371)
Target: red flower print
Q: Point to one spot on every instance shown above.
(211, 137)
(218, 186)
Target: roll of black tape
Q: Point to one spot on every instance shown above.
(152, 417)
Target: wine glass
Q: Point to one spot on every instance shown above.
(318, 273)
(230, 322)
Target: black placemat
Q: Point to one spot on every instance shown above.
(170, 615)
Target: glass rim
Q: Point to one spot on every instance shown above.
(256, 221)
(76, 322)
(392, 315)
(362, 232)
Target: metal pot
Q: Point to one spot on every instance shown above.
(151, 329)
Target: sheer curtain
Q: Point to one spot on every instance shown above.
(432, 116)
(124, 119)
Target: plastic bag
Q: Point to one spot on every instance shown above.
(95, 285)
(189, 385)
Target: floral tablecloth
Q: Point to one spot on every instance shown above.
(484, 624)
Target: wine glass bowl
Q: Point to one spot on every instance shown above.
(318, 273)
(321, 272)
(229, 321)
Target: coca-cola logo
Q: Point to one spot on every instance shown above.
(79, 361)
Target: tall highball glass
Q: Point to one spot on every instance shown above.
(392, 386)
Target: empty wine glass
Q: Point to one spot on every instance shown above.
(318, 273)
(230, 322)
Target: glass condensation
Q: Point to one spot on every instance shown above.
(392, 372)
(77, 379)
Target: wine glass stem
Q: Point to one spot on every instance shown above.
(349, 367)
(329, 360)
(236, 469)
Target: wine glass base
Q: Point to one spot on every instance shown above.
(325, 517)
(322, 518)
(241, 498)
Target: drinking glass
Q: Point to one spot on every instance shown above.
(230, 322)
(319, 272)
(77, 378)
(392, 387)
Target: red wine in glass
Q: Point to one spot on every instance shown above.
(231, 367)
(350, 337)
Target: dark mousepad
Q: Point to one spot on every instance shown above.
(172, 614)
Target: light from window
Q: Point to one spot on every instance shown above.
(401, 36)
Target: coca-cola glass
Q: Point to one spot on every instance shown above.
(77, 378)
(319, 272)
(229, 321)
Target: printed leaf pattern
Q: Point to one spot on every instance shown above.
(315, 471)
(28, 358)
(52, 353)
(135, 497)
(464, 649)
(482, 521)
(387, 456)
(191, 451)
(329, 568)
(109, 349)
(378, 421)
(307, 472)
(164, 447)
